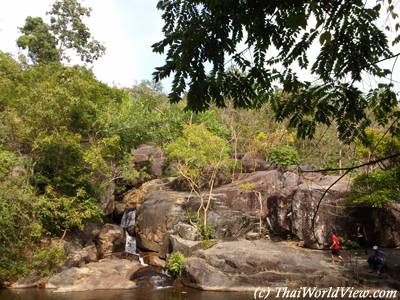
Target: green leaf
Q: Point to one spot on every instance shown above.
(325, 37)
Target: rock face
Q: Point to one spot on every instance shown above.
(245, 265)
(150, 157)
(111, 240)
(81, 257)
(107, 199)
(186, 247)
(105, 274)
(160, 211)
(251, 164)
(382, 225)
(288, 203)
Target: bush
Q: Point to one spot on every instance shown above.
(375, 189)
(207, 233)
(46, 261)
(283, 156)
(176, 263)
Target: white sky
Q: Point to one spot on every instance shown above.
(127, 28)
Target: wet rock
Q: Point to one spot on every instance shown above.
(111, 240)
(28, 282)
(154, 260)
(151, 278)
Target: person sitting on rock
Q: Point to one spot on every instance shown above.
(377, 261)
(335, 248)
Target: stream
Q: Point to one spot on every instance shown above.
(134, 294)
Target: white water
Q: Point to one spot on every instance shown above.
(128, 220)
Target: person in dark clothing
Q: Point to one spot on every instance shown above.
(377, 261)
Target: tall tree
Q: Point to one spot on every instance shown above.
(66, 32)
(38, 40)
(206, 34)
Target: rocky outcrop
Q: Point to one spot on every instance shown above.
(150, 157)
(105, 274)
(186, 247)
(288, 202)
(111, 240)
(160, 211)
(245, 265)
(382, 225)
(252, 164)
(107, 198)
(81, 257)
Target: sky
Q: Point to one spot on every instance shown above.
(127, 28)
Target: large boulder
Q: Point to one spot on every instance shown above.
(332, 213)
(186, 247)
(103, 275)
(160, 211)
(252, 164)
(150, 157)
(382, 225)
(81, 257)
(107, 198)
(111, 240)
(244, 265)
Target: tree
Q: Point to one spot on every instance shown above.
(201, 156)
(67, 31)
(71, 32)
(201, 35)
(38, 40)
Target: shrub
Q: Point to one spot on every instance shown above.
(176, 263)
(375, 188)
(283, 156)
(46, 261)
(207, 232)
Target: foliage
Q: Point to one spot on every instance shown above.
(376, 144)
(38, 40)
(201, 41)
(207, 232)
(18, 227)
(283, 156)
(47, 260)
(375, 188)
(206, 244)
(247, 186)
(67, 31)
(58, 212)
(197, 151)
(176, 263)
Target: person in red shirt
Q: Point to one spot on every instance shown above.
(335, 248)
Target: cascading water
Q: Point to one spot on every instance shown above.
(127, 221)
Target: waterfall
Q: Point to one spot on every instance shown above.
(128, 220)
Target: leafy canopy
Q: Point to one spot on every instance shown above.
(67, 31)
(206, 34)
